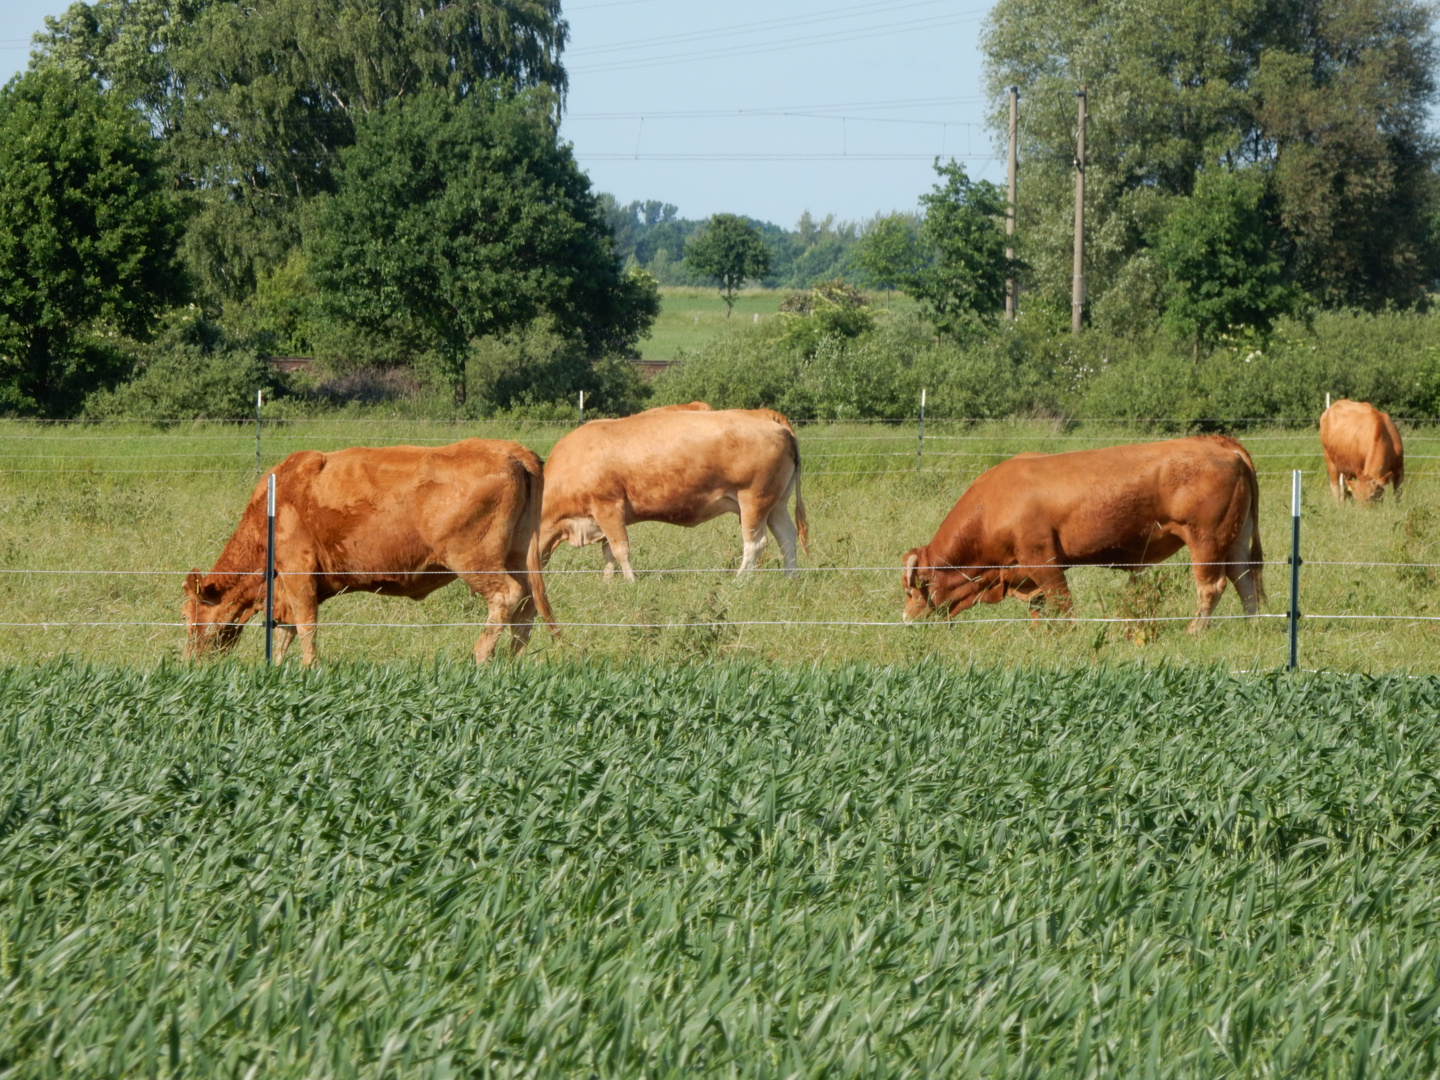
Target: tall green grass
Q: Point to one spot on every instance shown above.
(733, 870)
(144, 498)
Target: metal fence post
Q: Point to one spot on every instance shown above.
(582, 406)
(259, 397)
(1294, 569)
(270, 571)
(920, 450)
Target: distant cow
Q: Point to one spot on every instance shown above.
(1363, 452)
(399, 521)
(682, 466)
(1020, 524)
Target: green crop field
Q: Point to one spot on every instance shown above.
(721, 870)
(98, 523)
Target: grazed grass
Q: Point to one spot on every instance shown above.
(728, 869)
(107, 498)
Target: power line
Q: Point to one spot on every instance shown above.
(835, 38)
(755, 27)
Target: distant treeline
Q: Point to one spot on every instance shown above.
(652, 235)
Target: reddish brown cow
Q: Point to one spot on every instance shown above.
(1021, 523)
(1363, 451)
(399, 521)
(681, 466)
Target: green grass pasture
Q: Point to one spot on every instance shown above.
(689, 317)
(98, 524)
(719, 870)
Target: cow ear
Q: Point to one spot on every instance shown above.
(912, 563)
(208, 594)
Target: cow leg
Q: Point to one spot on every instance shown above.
(1337, 481)
(521, 623)
(1053, 590)
(1241, 573)
(753, 518)
(284, 635)
(616, 544)
(504, 595)
(785, 535)
(305, 616)
(1209, 568)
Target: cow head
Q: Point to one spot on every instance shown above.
(918, 601)
(1365, 489)
(213, 615)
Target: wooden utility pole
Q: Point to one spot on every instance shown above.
(1077, 289)
(1010, 284)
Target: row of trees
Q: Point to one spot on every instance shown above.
(651, 234)
(384, 181)
(1243, 156)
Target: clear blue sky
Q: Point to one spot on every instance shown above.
(765, 109)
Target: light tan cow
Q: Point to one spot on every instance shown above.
(681, 466)
(1363, 451)
(399, 521)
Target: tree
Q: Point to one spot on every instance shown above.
(1220, 250)
(730, 250)
(87, 240)
(255, 99)
(888, 251)
(1331, 95)
(962, 279)
(457, 219)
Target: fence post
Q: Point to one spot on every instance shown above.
(270, 572)
(582, 406)
(1294, 569)
(920, 449)
(259, 397)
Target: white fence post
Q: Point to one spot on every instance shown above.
(920, 449)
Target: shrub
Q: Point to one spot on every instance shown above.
(191, 371)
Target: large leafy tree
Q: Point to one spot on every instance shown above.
(87, 240)
(455, 219)
(962, 279)
(256, 99)
(1329, 95)
(888, 251)
(731, 251)
(1220, 250)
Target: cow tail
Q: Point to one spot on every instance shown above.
(802, 524)
(533, 570)
(1257, 553)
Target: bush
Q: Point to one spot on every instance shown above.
(541, 367)
(878, 375)
(1389, 359)
(191, 371)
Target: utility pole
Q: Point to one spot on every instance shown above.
(1011, 298)
(1077, 290)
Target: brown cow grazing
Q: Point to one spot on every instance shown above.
(399, 521)
(1363, 452)
(1021, 523)
(681, 466)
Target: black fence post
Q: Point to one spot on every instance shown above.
(270, 571)
(1294, 570)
